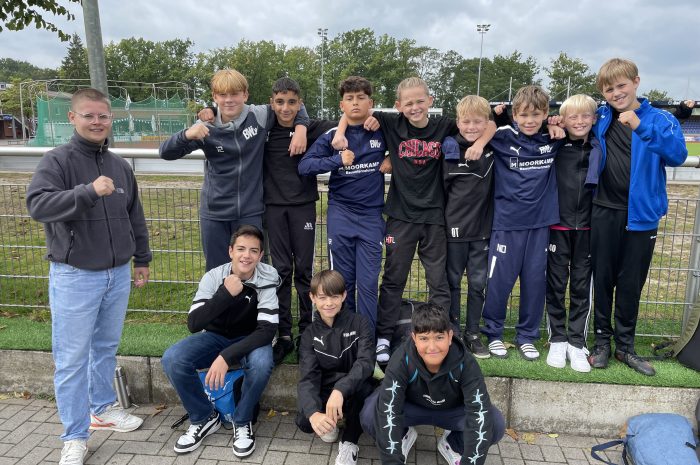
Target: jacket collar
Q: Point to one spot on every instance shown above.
(88, 147)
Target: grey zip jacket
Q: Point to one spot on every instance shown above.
(82, 229)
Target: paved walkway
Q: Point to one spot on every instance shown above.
(29, 431)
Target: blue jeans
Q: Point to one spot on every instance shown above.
(198, 351)
(87, 315)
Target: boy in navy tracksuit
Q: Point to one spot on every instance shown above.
(232, 193)
(468, 217)
(525, 205)
(336, 360)
(355, 197)
(637, 142)
(569, 257)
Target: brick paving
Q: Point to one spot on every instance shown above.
(29, 431)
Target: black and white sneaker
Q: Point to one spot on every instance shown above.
(192, 439)
(243, 440)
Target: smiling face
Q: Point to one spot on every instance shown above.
(245, 255)
(85, 116)
(621, 93)
(472, 126)
(356, 106)
(230, 104)
(529, 119)
(414, 103)
(578, 124)
(328, 306)
(286, 105)
(433, 347)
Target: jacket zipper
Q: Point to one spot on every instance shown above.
(578, 197)
(70, 247)
(100, 161)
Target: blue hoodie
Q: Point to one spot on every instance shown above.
(656, 143)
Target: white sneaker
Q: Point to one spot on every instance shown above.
(578, 358)
(195, 434)
(73, 452)
(115, 418)
(347, 453)
(557, 354)
(409, 439)
(330, 436)
(243, 440)
(452, 457)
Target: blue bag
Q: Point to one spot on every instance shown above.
(226, 397)
(655, 439)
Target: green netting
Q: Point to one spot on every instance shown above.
(149, 120)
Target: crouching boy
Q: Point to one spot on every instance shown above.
(432, 379)
(336, 360)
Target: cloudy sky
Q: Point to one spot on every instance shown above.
(660, 36)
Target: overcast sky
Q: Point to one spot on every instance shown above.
(660, 36)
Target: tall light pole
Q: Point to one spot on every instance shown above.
(481, 29)
(323, 34)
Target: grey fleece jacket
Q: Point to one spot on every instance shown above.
(83, 229)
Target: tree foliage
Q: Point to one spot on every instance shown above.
(569, 76)
(16, 15)
(656, 95)
(75, 63)
(16, 69)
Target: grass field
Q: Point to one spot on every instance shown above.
(693, 148)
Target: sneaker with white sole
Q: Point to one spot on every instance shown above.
(557, 354)
(243, 440)
(409, 439)
(578, 358)
(73, 452)
(498, 349)
(347, 453)
(330, 436)
(452, 457)
(195, 434)
(528, 352)
(115, 418)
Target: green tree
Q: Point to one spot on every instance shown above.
(16, 15)
(10, 102)
(656, 95)
(11, 69)
(75, 63)
(569, 76)
(502, 76)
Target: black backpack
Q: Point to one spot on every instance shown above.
(687, 348)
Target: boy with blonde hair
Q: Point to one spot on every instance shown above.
(637, 142)
(415, 202)
(525, 205)
(569, 257)
(468, 217)
(232, 192)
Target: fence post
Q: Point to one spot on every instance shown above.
(693, 285)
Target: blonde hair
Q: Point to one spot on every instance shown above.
(410, 82)
(226, 81)
(473, 105)
(530, 96)
(615, 69)
(579, 103)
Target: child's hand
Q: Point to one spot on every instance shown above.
(556, 120)
(197, 131)
(629, 119)
(298, 144)
(385, 167)
(206, 115)
(499, 109)
(689, 103)
(348, 157)
(321, 423)
(339, 142)
(474, 152)
(371, 123)
(334, 406)
(216, 373)
(555, 132)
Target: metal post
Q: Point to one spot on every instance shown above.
(481, 29)
(323, 33)
(93, 41)
(693, 283)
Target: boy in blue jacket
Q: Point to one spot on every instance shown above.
(638, 142)
(355, 197)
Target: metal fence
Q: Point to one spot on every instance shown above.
(173, 223)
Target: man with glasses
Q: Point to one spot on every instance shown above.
(87, 198)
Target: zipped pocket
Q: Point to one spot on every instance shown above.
(70, 246)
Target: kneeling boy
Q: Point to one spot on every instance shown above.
(433, 380)
(336, 359)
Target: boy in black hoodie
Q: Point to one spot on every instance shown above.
(336, 360)
(432, 379)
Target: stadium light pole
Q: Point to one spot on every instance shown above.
(481, 29)
(323, 34)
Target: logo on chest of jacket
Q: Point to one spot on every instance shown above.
(319, 340)
(308, 226)
(545, 149)
(513, 163)
(375, 144)
(249, 132)
(517, 151)
(220, 148)
(434, 402)
(248, 298)
(350, 334)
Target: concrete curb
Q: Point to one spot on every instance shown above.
(544, 406)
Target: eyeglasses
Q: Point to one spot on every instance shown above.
(583, 116)
(91, 117)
